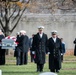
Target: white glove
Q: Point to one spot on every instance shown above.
(48, 53)
(33, 52)
(61, 53)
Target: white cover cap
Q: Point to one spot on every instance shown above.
(40, 27)
(54, 32)
(22, 31)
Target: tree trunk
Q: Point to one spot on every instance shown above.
(6, 29)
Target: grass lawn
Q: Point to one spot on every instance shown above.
(68, 67)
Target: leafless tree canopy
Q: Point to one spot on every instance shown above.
(11, 12)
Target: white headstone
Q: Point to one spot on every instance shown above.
(0, 72)
(48, 73)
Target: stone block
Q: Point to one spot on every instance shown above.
(0, 72)
(48, 73)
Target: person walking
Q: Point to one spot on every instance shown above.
(39, 47)
(55, 50)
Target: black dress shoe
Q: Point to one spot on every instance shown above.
(41, 70)
(57, 71)
(52, 70)
(38, 70)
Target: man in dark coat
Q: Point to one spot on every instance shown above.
(55, 49)
(75, 47)
(39, 46)
(2, 51)
(22, 48)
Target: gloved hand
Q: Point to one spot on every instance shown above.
(33, 52)
(61, 53)
(48, 53)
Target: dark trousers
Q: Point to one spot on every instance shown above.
(61, 58)
(40, 67)
(32, 57)
(21, 58)
(18, 56)
(2, 57)
(52, 70)
(26, 58)
(55, 69)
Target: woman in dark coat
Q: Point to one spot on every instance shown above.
(39, 45)
(55, 49)
(75, 47)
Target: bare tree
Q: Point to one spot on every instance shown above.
(11, 11)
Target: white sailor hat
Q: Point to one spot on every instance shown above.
(17, 33)
(54, 32)
(22, 31)
(40, 27)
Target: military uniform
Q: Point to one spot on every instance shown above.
(55, 50)
(39, 45)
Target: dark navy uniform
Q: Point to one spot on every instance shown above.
(39, 45)
(55, 50)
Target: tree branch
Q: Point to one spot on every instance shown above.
(18, 20)
(13, 12)
(1, 12)
(16, 16)
(1, 24)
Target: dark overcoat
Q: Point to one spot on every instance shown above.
(75, 47)
(2, 52)
(39, 45)
(55, 50)
(21, 51)
(23, 45)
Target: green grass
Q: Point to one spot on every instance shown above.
(68, 67)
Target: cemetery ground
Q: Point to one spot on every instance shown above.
(10, 68)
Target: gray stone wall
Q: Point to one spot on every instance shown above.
(65, 24)
(57, 15)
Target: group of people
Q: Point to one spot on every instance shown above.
(21, 50)
(39, 45)
(53, 46)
